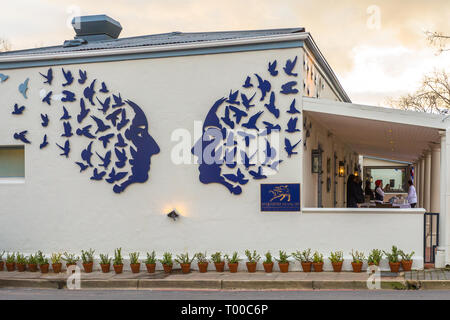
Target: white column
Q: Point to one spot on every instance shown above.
(416, 180)
(444, 220)
(422, 181)
(435, 187)
(427, 185)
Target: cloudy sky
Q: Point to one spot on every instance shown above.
(376, 47)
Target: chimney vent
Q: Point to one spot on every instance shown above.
(96, 28)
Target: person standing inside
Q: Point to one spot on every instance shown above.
(368, 191)
(412, 195)
(379, 193)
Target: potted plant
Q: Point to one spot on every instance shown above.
(406, 260)
(88, 260)
(105, 262)
(358, 260)
(336, 259)
(304, 258)
(317, 262)
(43, 262)
(374, 257)
(71, 259)
(167, 262)
(283, 262)
(1, 261)
(268, 262)
(21, 262)
(32, 263)
(252, 260)
(150, 262)
(10, 261)
(202, 262)
(233, 262)
(56, 262)
(118, 261)
(394, 263)
(135, 264)
(219, 263)
(185, 262)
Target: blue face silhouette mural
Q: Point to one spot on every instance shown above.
(221, 158)
(118, 147)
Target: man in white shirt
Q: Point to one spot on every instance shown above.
(412, 195)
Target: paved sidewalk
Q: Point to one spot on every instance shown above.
(429, 278)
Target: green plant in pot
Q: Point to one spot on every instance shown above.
(252, 260)
(283, 262)
(268, 262)
(1, 260)
(118, 261)
(374, 257)
(135, 264)
(56, 262)
(42, 261)
(407, 260)
(150, 262)
(357, 260)
(202, 262)
(393, 258)
(32, 263)
(10, 261)
(337, 259)
(218, 261)
(21, 262)
(317, 262)
(87, 258)
(105, 262)
(71, 259)
(305, 259)
(167, 262)
(233, 262)
(185, 262)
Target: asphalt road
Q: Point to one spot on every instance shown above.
(53, 294)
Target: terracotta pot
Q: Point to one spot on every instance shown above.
(32, 267)
(395, 266)
(151, 267)
(284, 267)
(268, 267)
(1, 265)
(202, 267)
(167, 268)
(373, 264)
(21, 267)
(318, 266)
(306, 266)
(118, 268)
(70, 264)
(44, 268)
(220, 266)
(251, 267)
(106, 267)
(135, 267)
(233, 267)
(11, 266)
(357, 266)
(56, 267)
(337, 266)
(88, 267)
(185, 267)
(406, 265)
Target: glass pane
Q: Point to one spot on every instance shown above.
(12, 162)
(393, 179)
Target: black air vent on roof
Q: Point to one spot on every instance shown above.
(95, 28)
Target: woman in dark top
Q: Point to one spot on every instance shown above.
(368, 191)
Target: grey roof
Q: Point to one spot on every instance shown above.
(172, 38)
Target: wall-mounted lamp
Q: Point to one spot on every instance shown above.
(341, 168)
(315, 154)
(173, 215)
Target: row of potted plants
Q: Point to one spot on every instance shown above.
(308, 260)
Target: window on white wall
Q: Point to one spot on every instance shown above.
(12, 162)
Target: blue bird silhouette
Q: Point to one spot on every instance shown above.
(3, 77)
(292, 109)
(105, 139)
(289, 147)
(101, 127)
(44, 142)
(86, 154)
(226, 118)
(274, 165)
(239, 177)
(21, 136)
(98, 175)
(85, 131)
(246, 102)
(69, 96)
(271, 106)
(248, 83)
(114, 116)
(264, 86)
(269, 152)
(65, 149)
(106, 160)
(67, 130)
(238, 113)
(121, 157)
(273, 68)
(113, 176)
(105, 105)
(45, 120)
(232, 97)
(120, 142)
(292, 125)
(229, 158)
(68, 76)
(66, 115)
(246, 159)
(287, 88)
(83, 111)
(82, 166)
(83, 76)
(23, 88)
(290, 66)
(89, 92)
(117, 101)
(104, 88)
(48, 77)
(17, 109)
(47, 98)
(251, 123)
(124, 121)
(257, 175)
(269, 128)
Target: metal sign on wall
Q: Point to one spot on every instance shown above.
(280, 197)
